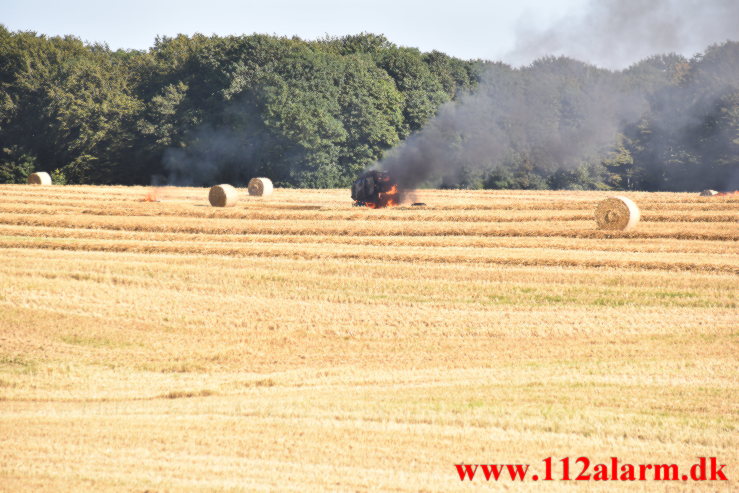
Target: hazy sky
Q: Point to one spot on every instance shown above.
(515, 31)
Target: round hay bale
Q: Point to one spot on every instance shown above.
(223, 196)
(708, 193)
(617, 213)
(40, 178)
(260, 187)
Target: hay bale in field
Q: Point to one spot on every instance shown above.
(40, 178)
(223, 196)
(260, 187)
(708, 193)
(617, 213)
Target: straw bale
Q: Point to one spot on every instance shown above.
(260, 187)
(40, 178)
(617, 213)
(223, 196)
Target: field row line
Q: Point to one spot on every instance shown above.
(477, 256)
(11, 199)
(559, 243)
(583, 229)
(338, 287)
(353, 215)
(187, 312)
(192, 265)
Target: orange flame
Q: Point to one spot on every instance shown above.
(390, 198)
(724, 194)
(151, 196)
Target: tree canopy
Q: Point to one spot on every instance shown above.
(200, 110)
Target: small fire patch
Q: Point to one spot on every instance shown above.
(376, 189)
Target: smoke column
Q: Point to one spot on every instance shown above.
(616, 33)
(559, 113)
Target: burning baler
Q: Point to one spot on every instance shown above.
(375, 189)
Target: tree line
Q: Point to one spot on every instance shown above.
(200, 110)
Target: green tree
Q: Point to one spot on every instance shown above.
(15, 165)
(422, 92)
(70, 106)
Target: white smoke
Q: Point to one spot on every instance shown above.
(616, 33)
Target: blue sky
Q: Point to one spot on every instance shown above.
(493, 29)
(464, 28)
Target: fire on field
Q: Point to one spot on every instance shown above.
(158, 193)
(152, 195)
(376, 189)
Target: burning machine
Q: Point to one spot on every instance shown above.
(375, 189)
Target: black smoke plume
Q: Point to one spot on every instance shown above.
(556, 113)
(560, 115)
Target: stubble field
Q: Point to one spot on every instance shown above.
(297, 343)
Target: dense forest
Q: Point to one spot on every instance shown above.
(202, 110)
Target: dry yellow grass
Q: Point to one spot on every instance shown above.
(297, 343)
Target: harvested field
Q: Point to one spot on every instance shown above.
(294, 342)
